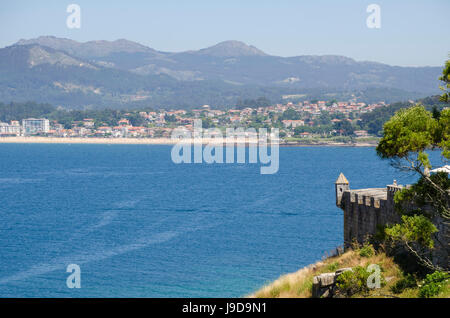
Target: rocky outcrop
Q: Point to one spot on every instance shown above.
(324, 285)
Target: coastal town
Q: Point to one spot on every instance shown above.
(307, 119)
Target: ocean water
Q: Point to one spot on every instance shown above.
(139, 225)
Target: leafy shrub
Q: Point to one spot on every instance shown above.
(367, 250)
(423, 193)
(353, 282)
(433, 284)
(408, 281)
(417, 228)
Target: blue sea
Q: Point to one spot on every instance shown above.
(139, 225)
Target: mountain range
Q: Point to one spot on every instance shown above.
(126, 74)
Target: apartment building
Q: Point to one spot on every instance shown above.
(35, 126)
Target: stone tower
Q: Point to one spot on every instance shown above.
(341, 185)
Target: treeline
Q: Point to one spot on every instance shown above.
(373, 122)
(253, 103)
(19, 111)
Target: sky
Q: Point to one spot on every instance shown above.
(411, 33)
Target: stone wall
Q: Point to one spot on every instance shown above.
(366, 210)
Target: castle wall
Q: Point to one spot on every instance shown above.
(366, 210)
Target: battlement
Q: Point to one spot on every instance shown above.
(365, 210)
(368, 197)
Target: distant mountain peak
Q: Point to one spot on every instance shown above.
(88, 49)
(28, 56)
(41, 55)
(231, 49)
(49, 41)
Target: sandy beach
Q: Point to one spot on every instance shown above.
(160, 141)
(112, 141)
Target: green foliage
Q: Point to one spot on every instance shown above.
(444, 130)
(423, 194)
(324, 119)
(433, 284)
(352, 282)
(136, 119)
(19, 111)
(367, 250)
(445, 78)
(409, 130)
(373, 121)
(345, 126)
(416, 228)
(253, 103)
(408, 281)
(290, 114)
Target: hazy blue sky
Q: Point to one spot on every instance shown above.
(412, 32)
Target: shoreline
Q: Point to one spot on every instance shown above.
(158, 141)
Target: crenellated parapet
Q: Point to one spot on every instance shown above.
(365, 210)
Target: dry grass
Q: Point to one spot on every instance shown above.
(296, 284)
(299, 284)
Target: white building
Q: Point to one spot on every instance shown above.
(293, 123)
(4, 128)
(34, 126)
(10, 129)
